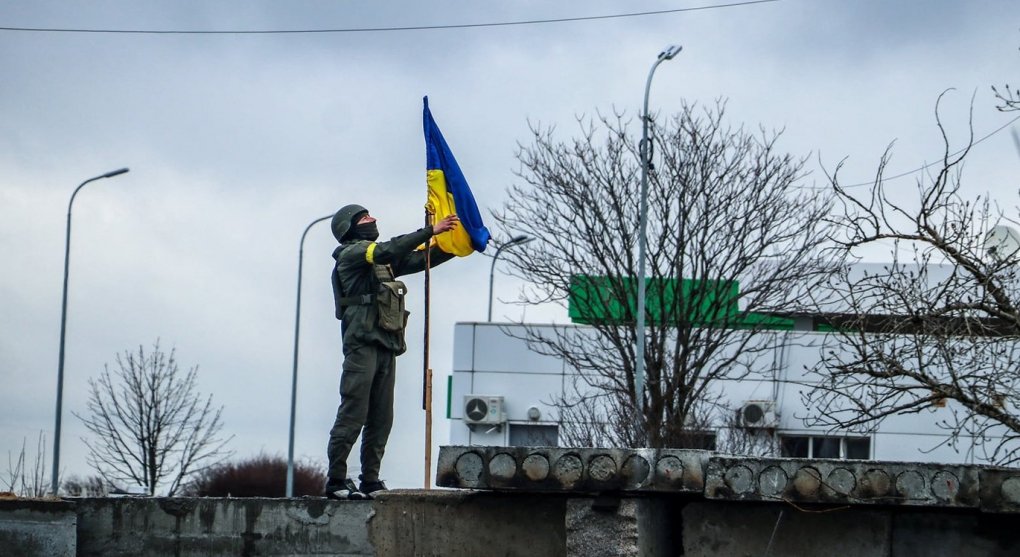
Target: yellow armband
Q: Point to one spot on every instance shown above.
(370, 253)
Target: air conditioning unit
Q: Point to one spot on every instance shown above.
(483, 409)
(759, 414)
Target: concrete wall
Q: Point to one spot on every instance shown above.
(216, 527)
(711, 529)
(37, 528)
(470, 523)
(400, 522)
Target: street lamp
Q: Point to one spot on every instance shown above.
(645, 149)
(63, 328)
(293, 381)
(516, 240)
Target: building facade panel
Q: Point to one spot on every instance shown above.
(493, 360)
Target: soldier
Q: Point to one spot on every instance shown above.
(370, 307)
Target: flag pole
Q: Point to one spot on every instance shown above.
(426, 403)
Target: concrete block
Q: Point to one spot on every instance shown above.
(214, 527)
(841, 482)
(31, 528)
(718, 528)
(954, 534)
(467, 524)
(1000, 490)
(584, 470)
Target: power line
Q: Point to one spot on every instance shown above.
(929, 165)
(381, 29)
(926, 166)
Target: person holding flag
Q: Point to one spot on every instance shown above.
(369, 302)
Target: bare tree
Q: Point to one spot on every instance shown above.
(598, 417)
(731, 238)
(1008, 98)
(150, 424)
(25, 478)
(736, 438)
(933, 332)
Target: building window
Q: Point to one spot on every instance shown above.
(690, 439)
(534, 435)
(857, 448)
(820, 446)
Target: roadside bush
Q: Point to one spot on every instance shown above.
(258, 476)
(91, 486)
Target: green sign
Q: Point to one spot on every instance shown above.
(703, 303)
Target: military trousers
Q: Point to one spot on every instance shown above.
(366, 408)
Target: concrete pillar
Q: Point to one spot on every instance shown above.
(658, 526)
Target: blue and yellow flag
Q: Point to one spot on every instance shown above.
(449, 194)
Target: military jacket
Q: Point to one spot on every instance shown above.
(354, 275)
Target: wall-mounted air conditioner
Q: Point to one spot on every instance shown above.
(759, 414)
(484, 409)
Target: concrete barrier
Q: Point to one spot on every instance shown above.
(860, 482)
(198, 527)
(37, 528)
(1000, 490)
(537, 469)
(712, 528)
(730, 478)
(397, 523)
(468, 524)
(555, 501)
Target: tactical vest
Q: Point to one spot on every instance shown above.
(388, 299)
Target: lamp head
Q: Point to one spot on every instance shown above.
(520, 239)
(670, 51)
(113, 173)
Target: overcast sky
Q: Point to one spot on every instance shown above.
(237, 142)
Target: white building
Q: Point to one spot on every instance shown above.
(501, 393)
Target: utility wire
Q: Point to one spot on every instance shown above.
(926, 166)
(381, 29)
(997, 130)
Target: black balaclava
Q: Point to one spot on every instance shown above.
(367, 231)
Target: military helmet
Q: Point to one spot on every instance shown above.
(344, 218)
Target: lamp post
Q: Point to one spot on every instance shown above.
(293, 381)
(63, 329)
(516, 240)
(645, 150)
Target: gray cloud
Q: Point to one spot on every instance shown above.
(236, 143)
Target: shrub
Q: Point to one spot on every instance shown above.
(258, 476)
(92, 486)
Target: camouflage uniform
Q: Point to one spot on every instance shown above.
(366, 384)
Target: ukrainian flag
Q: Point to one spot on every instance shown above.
(449, 194)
